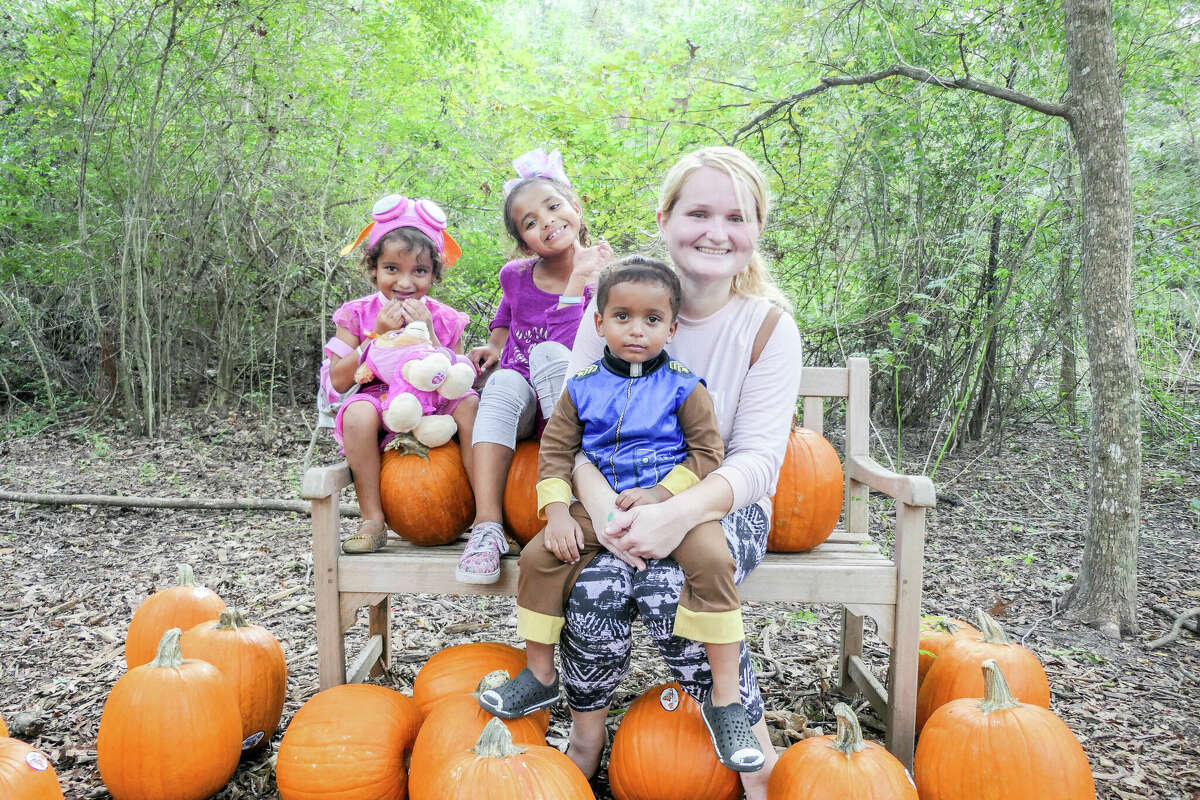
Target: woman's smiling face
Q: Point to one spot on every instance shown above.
(709, 234)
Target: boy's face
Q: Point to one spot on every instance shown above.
(637, 322)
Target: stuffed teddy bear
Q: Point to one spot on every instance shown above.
(422, 379)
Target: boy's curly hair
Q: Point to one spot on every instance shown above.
(568, 194)
(411, 239)
(639, 269)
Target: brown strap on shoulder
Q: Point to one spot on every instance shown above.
(764, 332)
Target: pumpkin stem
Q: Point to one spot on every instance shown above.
(997, 695)
(496, 741)
(849, 734)
(493, 680)
(185, 576)
(230, 619)
(991, 630)
(169, 654)
(408, 445)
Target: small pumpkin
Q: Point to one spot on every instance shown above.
(662, 751)
(808, 494)
(839, 766)
(349, 742)
(252, 660)
(454, 725)
(26, 774)
(520, 493)
(182, 606)
(999, 748)
(425, 493)
(459, 669)
(170, 729)
(936, 635)
(956, 673)
(497, 769)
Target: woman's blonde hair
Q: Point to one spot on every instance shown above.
(750, 188)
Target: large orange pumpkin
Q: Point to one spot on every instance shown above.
(520, 493)
(3, 728)
(956, 673)
(808, 496)
(999, 749)
(349, 742)
(499, 770)
(425, 493)
(182, 606)
(936, 635)
(170, 723)
(839, 766)
(454, 725)
(252, 660)
(459, 669)
(662, 751)
(26, 774)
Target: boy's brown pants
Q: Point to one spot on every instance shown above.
(709, 607)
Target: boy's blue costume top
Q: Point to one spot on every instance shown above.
(629, 412)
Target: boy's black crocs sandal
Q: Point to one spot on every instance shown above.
(729, 727)
(519, 697)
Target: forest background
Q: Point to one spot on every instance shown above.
(179, 176)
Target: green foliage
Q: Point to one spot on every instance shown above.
(179, 176)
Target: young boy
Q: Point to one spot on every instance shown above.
(647, 423)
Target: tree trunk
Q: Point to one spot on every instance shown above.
(1105, 593)
(1067, 373)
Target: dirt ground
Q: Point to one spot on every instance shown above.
(1006, 537)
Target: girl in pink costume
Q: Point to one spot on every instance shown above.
(544, 294)
(407, 250)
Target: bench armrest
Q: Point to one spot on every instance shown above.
(322, 482)
(915, 490)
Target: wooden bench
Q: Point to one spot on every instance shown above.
(849, 569)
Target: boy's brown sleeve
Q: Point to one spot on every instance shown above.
(556, 457)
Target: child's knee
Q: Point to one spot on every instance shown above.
(360, 418)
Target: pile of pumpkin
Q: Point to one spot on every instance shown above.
(202, 688)
(808, 495)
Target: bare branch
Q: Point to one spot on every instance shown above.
(913, 73)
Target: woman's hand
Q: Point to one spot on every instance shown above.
(646, 531)
(484, 357)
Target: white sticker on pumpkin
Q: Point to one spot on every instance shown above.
(669, 698)
(252, 740)
(37, 761)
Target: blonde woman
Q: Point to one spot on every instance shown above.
(711, 210)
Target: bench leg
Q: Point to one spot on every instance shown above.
(851, 645)
(380, 624)
(331, 647)
(902, 668)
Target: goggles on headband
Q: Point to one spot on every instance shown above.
(397, 211)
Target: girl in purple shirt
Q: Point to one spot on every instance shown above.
(544, 295)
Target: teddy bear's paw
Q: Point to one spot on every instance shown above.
(458, 381)
(428, 373)
(402, 414)
(435, 430)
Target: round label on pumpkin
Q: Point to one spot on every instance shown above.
(669, 699)
(37, 761)
(252, 740)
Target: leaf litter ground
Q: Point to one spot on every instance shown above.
(1006, 537)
